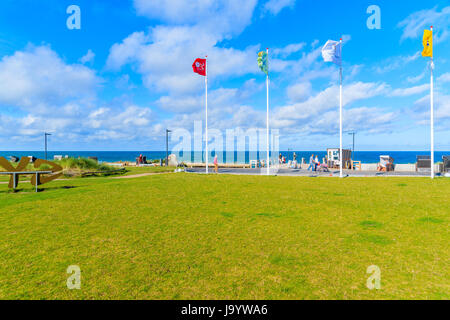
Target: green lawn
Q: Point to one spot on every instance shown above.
(129, 171)
(188, 236)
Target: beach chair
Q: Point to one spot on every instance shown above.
(423, 163)
(446, 164)
(386, 163)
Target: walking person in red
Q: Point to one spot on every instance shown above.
(216, 164)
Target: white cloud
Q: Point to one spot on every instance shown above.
(129, 120)
(288, 50)
(444, 78)
(395, 63)
(403, 92)
(299, 92)
(88, 57)
(275, 6)
(221, 17)
(415, 23)
(324, 101)
(62, 98)
(38, 76)
(421, 109)
(415, 79)
(372, 120)
(122, 53)
(221, 98)
(164, 57)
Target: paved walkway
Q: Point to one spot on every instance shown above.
(305, 173)
(139, 175)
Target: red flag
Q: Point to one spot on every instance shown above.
(199, 66)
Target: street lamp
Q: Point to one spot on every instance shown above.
(167, 146)
(45, 135)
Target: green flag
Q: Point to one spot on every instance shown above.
(263, 62)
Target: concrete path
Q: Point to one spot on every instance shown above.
(305, 173)
(140, 175)
(121, 177)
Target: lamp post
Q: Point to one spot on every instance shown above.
(46, 135)
(167, 147)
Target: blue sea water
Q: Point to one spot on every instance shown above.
(113, 156)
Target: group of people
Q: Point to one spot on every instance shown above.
(282, 159)
(314, 163)
(141, 159)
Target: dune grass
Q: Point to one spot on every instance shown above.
(188, 236)
(74, 167)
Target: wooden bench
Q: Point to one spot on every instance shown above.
(15, 174)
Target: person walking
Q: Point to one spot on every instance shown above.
(294, 161)
(311, 163)
(216, 164)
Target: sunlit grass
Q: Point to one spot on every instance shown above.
(186, 236)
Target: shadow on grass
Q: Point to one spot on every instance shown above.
(429, 219)
(33, 190)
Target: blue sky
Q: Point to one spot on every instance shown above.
(126, 75)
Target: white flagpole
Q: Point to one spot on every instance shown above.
(206, 112)
(432, 111)
(340, 115)
(267, 120)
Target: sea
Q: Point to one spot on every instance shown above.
(237, 157)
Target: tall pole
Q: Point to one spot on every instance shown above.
(432, 111)
(206, 113)
(340, 115)
(267, 120)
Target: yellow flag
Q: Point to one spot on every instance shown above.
(427, 43)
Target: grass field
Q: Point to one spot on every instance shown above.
(188, 236)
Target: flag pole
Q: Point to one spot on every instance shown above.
(340, 115)
(267, 120)
(206, 112)
(432, 111)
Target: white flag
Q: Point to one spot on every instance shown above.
(331, 52)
